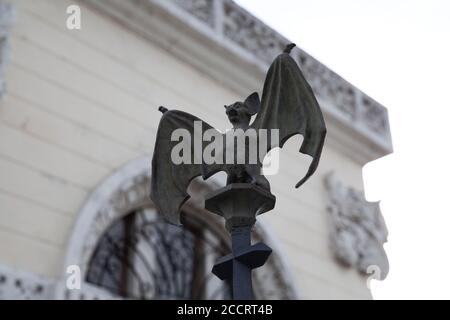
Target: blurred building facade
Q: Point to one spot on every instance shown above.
(78, 117)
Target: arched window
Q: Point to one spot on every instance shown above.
(142, 256)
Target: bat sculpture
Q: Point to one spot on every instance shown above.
(287, 105)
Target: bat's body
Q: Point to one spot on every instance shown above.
(247, 173)
(287, 105)
(239, 114)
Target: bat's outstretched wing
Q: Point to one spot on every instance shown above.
(288, 104)
(169, 179)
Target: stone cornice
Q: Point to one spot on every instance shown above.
(235, 48)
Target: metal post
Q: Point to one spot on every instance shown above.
(242, 273)
(239, 203)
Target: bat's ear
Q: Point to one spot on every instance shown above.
(253, 103)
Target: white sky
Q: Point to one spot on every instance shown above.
(398, 52)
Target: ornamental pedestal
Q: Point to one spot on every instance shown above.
(239, 204)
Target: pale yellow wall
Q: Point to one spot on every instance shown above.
(81, 103)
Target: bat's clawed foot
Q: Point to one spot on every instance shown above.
(262, 182)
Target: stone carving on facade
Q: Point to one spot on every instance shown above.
(201, 9)
(258, 39)
(329, 86)
(375, 116)
(15, 284)
(20, 285)
(7, 16)
(89, 292)
(358, 231)
(249, 33)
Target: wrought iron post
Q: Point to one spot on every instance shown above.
(239, 204)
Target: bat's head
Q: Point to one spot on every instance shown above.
(240, 113)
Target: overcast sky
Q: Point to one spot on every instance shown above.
(398, 53)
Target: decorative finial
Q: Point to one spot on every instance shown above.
(163, 109)
(289, 48)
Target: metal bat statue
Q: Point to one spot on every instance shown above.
(288, 104)
(288, 107)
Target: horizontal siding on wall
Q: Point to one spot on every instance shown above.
(36, 154)
(25, 253)
(46, 189)
(31, 219)
(58, 131)
(65, 104)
